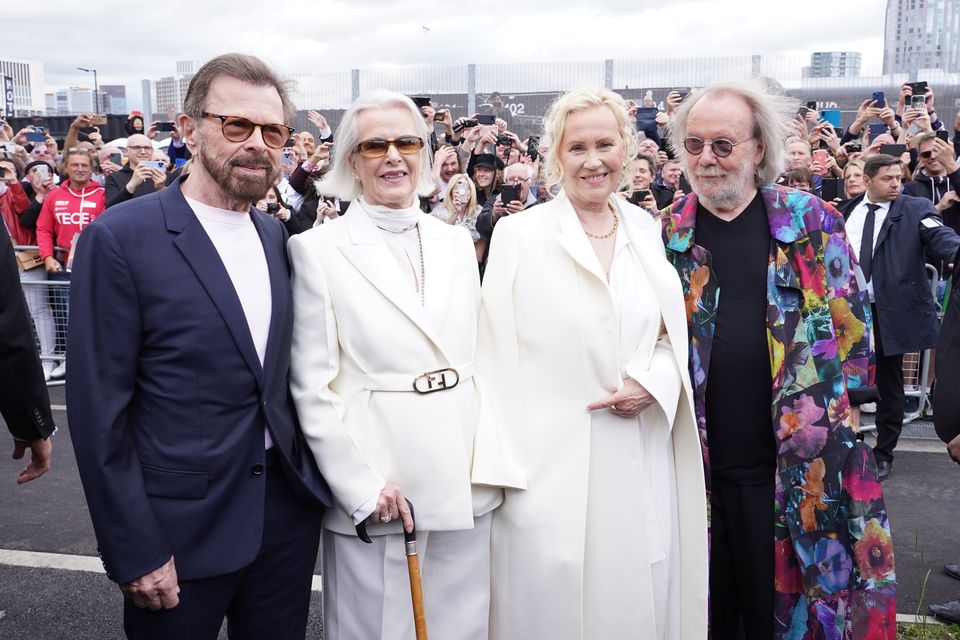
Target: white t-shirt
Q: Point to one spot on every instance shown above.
(236, 240)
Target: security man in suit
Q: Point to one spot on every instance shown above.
(204, 498)
(892, 233)
(24, 402)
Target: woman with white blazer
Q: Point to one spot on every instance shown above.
(583, 349)
(386, 302)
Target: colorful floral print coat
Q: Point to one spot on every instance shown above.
(834, 554)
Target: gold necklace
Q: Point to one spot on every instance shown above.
(616, 223)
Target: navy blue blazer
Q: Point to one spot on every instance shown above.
(907, 313)
(167, 399)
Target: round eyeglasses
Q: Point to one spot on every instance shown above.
(720, 147)
(237, 129)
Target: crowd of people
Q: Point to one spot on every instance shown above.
(298, 343)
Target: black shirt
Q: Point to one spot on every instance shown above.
(740, 434)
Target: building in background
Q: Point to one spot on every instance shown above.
(146, 97)
(921, 34)
(28, 96)
(71, 102)
(113, 98)
(834, 64)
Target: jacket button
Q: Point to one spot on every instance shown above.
(257, 469)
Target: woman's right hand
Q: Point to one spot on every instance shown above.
(392, 505)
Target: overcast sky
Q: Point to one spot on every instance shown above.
(129, 41)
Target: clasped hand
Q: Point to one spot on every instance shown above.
(627, 402)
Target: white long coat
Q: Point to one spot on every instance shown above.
(360, 338)
(548, 346)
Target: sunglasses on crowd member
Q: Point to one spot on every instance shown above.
(237, 129)
(926, 155)
(378, 147)
(720, 147)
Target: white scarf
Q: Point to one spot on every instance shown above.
(400, 231)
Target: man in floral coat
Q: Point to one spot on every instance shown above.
(781, 356)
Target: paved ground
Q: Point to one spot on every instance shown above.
(50, 516)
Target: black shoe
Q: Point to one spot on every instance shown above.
(952, 570)
(884, 467)
(948, 611)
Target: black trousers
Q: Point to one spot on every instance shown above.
(268, 599)
(741, 561)
(892, 400)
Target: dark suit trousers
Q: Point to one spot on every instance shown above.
(268, 599)
(891, 403)
(741, 561)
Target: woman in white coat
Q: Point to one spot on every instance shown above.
(583, 350)
(386, 302)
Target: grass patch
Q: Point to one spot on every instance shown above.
(922, 631)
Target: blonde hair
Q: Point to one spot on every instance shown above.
(582, 99)
(340, 180)
(471, 209)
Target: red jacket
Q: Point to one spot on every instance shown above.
(65, 213)
(12, 203)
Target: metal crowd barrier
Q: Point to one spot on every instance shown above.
(49, 304)
(917, 372)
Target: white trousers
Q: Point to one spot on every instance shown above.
(39, 304)
(366, 588)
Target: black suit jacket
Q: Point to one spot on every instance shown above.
(946, 400)
(167, 399)
(906, 311)
(24, 402)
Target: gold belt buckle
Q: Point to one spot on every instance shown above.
(439, 380)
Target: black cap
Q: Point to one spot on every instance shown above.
(488, 160)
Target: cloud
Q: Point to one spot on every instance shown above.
(126, 43)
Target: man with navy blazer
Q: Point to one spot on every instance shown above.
(892, 233)
(205, 500)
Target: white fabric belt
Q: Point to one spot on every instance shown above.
(423, 383)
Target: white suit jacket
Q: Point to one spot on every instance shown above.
(360, 340)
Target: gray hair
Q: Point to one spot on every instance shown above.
(772, 117)
(340, 181)
(246, 68)
(527, 169)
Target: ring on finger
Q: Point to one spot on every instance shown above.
(386, 518)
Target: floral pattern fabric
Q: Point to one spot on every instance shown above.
(834, 568)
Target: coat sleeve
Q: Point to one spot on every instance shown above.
(46, 228)
(499, 446)
(849, 305)
(939, 241)
(314, 364)
(105, 335)
(24, 402)
(115, 189)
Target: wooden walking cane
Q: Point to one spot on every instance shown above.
(416, 586)
(413, 569)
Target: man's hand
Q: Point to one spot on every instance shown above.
(661, 119)
(140, 174)
(51, 265)
(82, 121)
(40, 453)
(944, 153)
(151, 131)
(318, 120)
(514, 206)
(887, 117)
(949, 199)
(156, 590)
(498, 209)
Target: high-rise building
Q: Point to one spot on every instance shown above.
(146, 88)
(921, 34)
(188, 67)
(834, 64)
(113, 98)
(28, 97)
(170, 92)
(74, 101)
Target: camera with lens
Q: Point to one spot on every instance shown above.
(503, 140)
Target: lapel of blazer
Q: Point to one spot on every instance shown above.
(645, 236)
(572, 238)
(894, 213)
(274, 252)
(198, 250)
(369, 255)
